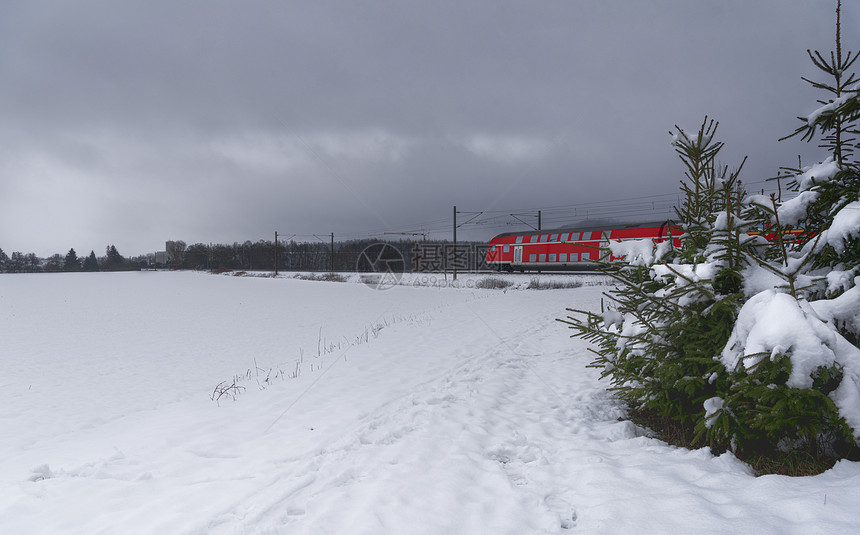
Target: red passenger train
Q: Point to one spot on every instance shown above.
(568, 248)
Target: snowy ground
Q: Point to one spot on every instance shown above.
(415, 410)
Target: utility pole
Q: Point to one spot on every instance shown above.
(276, 253)
(454, 252)
(539, 271)
(331, 253)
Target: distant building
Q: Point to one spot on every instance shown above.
(163, 258)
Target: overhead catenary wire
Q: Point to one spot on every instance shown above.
(658, 206)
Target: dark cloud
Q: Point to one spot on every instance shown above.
(133, 123)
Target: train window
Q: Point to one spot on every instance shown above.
(532, 258)
(562, 257)
(542, 257)
(552, 257)
(507, 249)
(519, 239)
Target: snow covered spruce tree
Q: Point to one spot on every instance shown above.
(750, 329)
(674, 309)
(793, 357)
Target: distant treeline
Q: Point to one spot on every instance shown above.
(19, 262)
(352, 255)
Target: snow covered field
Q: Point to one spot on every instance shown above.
(415, 410)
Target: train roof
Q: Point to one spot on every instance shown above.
(587, 228)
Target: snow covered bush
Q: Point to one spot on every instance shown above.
(750, 329)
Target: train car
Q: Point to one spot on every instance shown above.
(569, 248)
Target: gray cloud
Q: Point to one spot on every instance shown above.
(136, 122)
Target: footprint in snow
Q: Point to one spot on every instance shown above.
(41, 473)
(565, 511)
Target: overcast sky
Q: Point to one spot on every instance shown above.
(132, 123)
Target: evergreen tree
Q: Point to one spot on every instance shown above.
(3, 260)
(802, 387)
(828, 192)
(90, 263)
(113, 260)
(753, 340)
(72, 262)
(16, 262)
(668, 317)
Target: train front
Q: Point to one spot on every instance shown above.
(499, 256)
